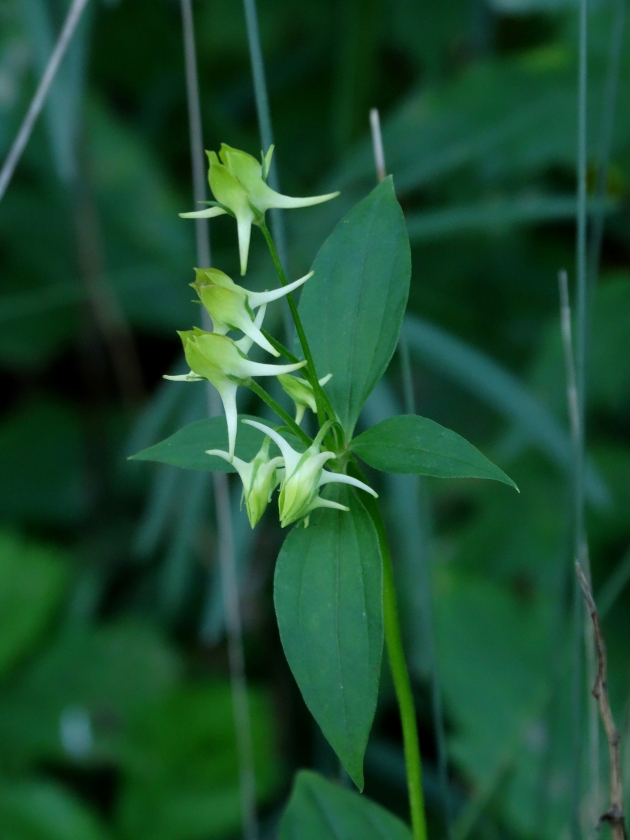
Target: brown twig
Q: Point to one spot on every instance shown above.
(614, 816)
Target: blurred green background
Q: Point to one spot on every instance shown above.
(115, 709)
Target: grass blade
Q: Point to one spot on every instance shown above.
(37, 103)
(500, 389)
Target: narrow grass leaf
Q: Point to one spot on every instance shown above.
(500, 389)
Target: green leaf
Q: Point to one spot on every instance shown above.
(413, 445)
(328, 598)
(352, 308)
(62, 706)
(320, 810)
(32, 581)
(39, 810)
(187, 447)
(192, 790)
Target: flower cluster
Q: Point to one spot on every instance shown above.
(238, 183)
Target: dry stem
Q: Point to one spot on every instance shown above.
(614, 816)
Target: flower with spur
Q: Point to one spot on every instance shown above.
(239, 184)
(304, 475)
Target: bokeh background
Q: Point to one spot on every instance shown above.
(115, 707)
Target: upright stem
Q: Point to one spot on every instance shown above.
(402, 683)
(320, 397)
(274, 406)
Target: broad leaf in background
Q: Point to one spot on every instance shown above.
(410, 444)
(352, 308)
(187, 447)
(40, 810)
(42, 464)
(320, 810)
(192, 789)
(75, 699)
(32, 580)
(328, 599)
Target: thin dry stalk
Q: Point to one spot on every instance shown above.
(37, 103)
(614, 815)
(227, 559)
(377, 144)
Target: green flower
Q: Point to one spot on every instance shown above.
(231, 307)
(222, 362)
(239, 184)
(259, 479)
(303, 475)
(301, 392)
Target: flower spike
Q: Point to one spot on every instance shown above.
(219, 360)
(231, 306)
(238, 183)
(304, 474)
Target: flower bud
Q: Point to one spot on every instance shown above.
(238, 183)
(301, 392)
(259, 478)
(303, 475)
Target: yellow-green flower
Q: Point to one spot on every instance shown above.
(239, 184)
(231, 307)
(259, 478)
(304, 474)
(222, 362)
(301, 392)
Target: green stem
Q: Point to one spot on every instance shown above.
(312, 373)
(400, 675)
(277, 345)
(274, 406)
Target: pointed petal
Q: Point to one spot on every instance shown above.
(261, 369)
(245, 344)
(325, 379)
(227, 392)
(257, 298)
(251, 331)
(318, 502)
(340, 478)
(288, 452)
(266, 165)
(184, 377)
(244, 227)
(286, 202)
(208, 213)
(243, 468)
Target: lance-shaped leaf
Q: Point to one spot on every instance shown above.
(187, 447)
(320, 810)
(328, 599)
(352, 308)
(413, 445)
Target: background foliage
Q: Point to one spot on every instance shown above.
(115, 715)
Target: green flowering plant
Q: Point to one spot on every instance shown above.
(333, 590)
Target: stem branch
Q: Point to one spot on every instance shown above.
(274, 406)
